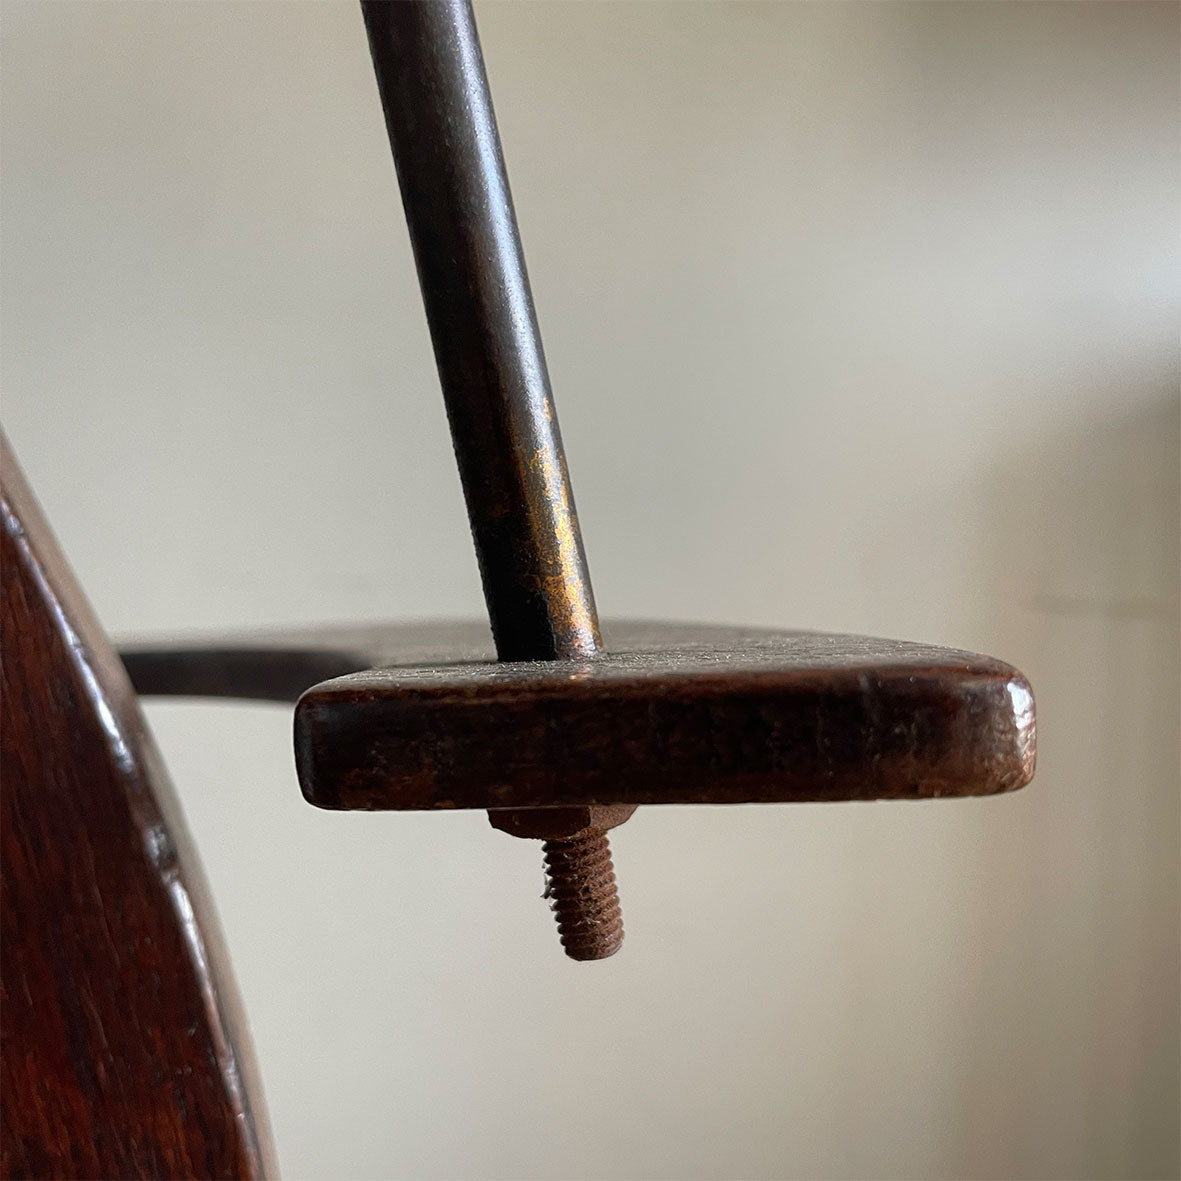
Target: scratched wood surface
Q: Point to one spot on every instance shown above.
(122, 1053)
(672, 714)
(422, 716)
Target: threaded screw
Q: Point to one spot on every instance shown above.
(580, 877)
(583, 895)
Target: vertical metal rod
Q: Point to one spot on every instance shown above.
(438, 111)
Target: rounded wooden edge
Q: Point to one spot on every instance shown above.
(787, 717)
(126, 1050)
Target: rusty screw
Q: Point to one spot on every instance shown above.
(583, 895)
(581, 879)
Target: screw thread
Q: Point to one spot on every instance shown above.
(583, 896)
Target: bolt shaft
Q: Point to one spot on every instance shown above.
(583, 896)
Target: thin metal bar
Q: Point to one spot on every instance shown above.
(487, 346)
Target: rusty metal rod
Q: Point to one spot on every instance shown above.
(438, 111)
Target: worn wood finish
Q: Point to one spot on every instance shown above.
(676, 713)
(123, 1054)
(671, 715)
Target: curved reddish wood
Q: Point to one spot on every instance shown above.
(123, 1053)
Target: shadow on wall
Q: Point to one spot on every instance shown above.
(1072, 1051)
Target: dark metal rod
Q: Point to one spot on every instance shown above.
(438, 111)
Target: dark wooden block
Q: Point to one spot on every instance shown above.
(674, 714)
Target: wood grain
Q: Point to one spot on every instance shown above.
(123, 1052)
(422, 715)
(673, 714)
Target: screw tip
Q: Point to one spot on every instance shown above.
(583, 895)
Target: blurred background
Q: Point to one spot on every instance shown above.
(860, 317)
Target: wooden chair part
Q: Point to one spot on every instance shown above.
(422, 716)
(123, 1051)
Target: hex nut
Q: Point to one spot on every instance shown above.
(559, 824)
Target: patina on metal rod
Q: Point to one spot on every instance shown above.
(471, 268)
(438, 110)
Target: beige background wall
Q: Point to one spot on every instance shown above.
(860, 317)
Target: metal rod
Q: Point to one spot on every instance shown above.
(487, 346)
